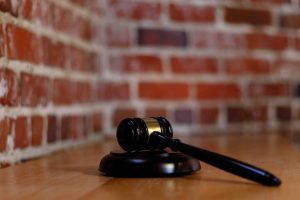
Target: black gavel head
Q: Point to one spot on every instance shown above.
(134, 134)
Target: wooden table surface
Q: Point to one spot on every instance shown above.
(73, 174)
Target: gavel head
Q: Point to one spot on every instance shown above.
(134, 134)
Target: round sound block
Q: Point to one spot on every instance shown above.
(156, 163)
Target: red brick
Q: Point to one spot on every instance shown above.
(163, 90)
(83, 92)
(122, 113)
(174, 38)
(5, 130)
(136, 63)
(21, 133)
(218, 91)
(298, 113)
(5, 6)
(97, 6)
(297, 43)
(208, 115)
(52, 129)
(269, 90)
(83, 28)
(28, 96)
(71, 127)
(2, 41)
(155, 112)
(296, 90)
(284, 113)
(183, 115)
(39, 12)
(290, 21)
(160, 37)
(194, 65)
(247, 114)
(62, 92)
(23, 44)
(37, 127)
(34, 90)
(97, 33)
(95, 62)
(42, 90)
(79, 59)
(64, 20)
(215, 39)
(82, 3)
(135, 10)
(191, 13)
(8, 87)
(269, 42)
(247, 66)
(87, 125)
(115, 39)
(112, 91)
(54, 53)
(78, 125)
(97, 122)
(26, 9)
(149, 37)
(258, 17)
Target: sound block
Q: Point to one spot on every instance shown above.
(156, 163)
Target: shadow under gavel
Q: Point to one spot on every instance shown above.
(137, 134)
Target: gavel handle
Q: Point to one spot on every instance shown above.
(225, 163)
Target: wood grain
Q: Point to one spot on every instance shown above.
(73, 174)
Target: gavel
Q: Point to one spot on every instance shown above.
(136, 134)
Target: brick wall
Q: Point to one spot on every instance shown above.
(70, 70)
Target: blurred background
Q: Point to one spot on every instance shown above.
(70, 70)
